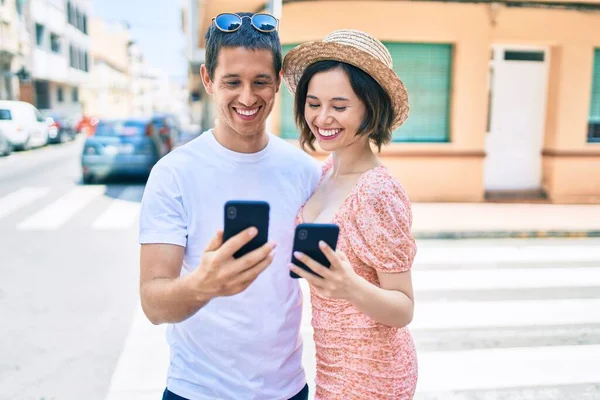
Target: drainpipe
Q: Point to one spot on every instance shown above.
(274, 7)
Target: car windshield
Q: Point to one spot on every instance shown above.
(49, 114)
(121, 128)
(5, 115)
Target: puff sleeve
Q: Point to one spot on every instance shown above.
(381, 223)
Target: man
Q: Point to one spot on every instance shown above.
(234, 324)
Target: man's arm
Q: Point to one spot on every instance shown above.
(165, 296)
(168, 297)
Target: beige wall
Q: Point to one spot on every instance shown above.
(454, 171)
(110, 44)
(109, 93)
(569, 161)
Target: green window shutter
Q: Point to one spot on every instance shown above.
(288, 127)
(426, 70)
(594, 122)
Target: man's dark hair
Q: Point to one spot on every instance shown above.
(379, 111)
(247, 37)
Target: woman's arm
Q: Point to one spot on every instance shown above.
(391, 304)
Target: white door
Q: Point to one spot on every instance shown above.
(518, 82)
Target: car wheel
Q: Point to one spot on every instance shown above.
(27, 145)
(22, 147)
(8, 149)
(87, 179)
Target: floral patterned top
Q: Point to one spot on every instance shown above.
(358, 358)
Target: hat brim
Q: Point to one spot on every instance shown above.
(298, 59)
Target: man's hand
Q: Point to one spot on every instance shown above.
(219, 274)
(168, 297)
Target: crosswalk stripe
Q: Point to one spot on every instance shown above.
(506, 254)
(122, 212)
(58, 213)
(509, 278)
(21, 198)
(505, 368)
(464, 315)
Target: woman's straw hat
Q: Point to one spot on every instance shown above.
(355, 48)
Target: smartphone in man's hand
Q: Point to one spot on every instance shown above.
(243, 214)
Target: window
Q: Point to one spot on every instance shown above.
(82, 57)
(594, 121)
(70, 13)
(42, 94)
(426, 71)
(75, 95)
(55, 43)
(39, 35)
(71, 56)
(77, 19)
(60, 94)
(85, 24)
(19, 5)
(5, 115)
(78, 59)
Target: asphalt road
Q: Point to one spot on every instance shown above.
(495, 319)
(68, 275)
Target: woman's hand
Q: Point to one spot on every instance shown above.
(337, 282)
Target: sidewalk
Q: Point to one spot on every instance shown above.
(141, 370)
(497, 220)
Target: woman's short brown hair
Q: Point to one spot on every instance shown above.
(379, 111)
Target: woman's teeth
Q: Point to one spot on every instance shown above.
(329, 132)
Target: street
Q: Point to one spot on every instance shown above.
(68, 275)
(494, 319)
(508, 319)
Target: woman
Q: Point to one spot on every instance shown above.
(348, 98)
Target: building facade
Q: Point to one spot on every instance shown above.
(108, 92)
(61, 48)
(504, 97)
(14, 50)
(200, 111)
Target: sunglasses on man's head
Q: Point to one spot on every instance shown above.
(230, 22)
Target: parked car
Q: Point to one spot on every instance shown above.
(5, 146)
(169, 126)
(127, 147)
(60, 127)
(86, 125)
(23, 125)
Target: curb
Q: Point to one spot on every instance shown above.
(506, 234)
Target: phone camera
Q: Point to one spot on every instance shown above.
(231, 212)
(302, 234)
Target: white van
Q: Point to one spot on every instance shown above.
(23, 125)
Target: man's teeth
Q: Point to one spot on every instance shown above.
(247, 113)
(329, 132)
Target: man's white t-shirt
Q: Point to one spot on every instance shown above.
(246, 346)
